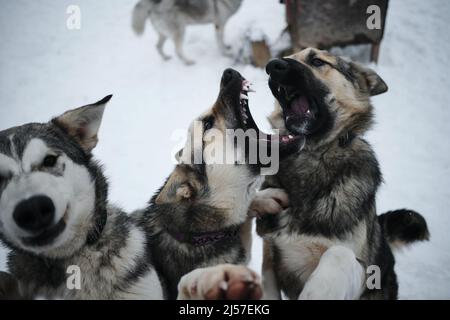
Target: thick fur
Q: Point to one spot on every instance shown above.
(330, 233)
(171, 17)
(110, 249)
(204, 198)
(403, 227)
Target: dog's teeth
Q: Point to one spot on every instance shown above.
(243, 97)
(245, 121)
(279, 89)
(308, 112)
(290, 137)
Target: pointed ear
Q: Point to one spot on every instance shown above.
(178, 155)
(83, 123)
(374, 83)
(180, 186)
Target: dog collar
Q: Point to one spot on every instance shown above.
(206, 238)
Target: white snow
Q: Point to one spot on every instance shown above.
(46, 69)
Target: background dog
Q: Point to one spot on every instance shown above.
(320, 247)
(170, 18)
(55, 218)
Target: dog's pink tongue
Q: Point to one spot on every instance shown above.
(300, 105)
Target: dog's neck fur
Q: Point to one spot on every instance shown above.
(109, 263)
(111, 256)
(342, 135)
(174, 257)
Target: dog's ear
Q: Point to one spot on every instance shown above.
(83, 123)
(181, 185)
(373, 81)
(178, 155)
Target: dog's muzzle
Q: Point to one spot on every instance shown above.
(36, 216)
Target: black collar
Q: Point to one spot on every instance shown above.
(199, 239)
(100, 222)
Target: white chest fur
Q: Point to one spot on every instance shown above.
(300, 254)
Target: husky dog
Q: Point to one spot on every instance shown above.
(318, 212)
(170, 18)
(55, 218)
(199, 216)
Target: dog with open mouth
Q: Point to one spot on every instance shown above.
(318, 213)
(199, 216)
(56, 220)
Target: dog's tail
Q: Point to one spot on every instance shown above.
(403, 227)
(141, 12)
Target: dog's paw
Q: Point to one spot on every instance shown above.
(188, 62)
(9, 287)
(269, 201)
(339, 276)
(222, 282)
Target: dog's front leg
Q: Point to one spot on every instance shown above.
(9, 287)
(226, 281)
(179, 40)
(224, 49)
(338, 276)
(270, 284)
(270, 201)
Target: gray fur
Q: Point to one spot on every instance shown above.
(332, 182)
(210, 202)
(110, 247)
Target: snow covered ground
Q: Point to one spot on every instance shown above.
(46, 69)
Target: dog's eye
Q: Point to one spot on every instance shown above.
(50, 161)
(208, 123)
(316, 62)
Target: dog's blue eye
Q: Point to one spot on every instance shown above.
(317, 62)
(50, 161)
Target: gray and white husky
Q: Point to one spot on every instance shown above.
(55, 218)
(170, 18)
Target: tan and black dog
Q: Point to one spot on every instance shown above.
(199, 217)
(318, 213)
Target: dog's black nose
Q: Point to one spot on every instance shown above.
(228, 75)
(34, 214)
(277, 67)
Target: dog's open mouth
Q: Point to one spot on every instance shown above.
(47, 236)
(286, 142)
(301, 95)
(299, 109)
(243, 113)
